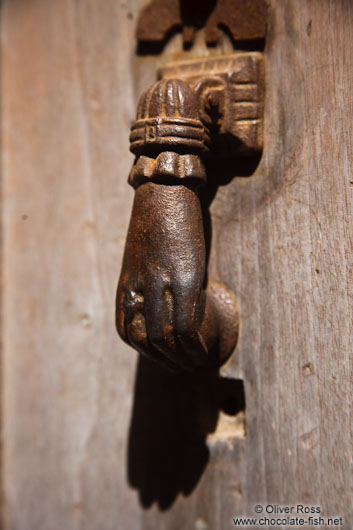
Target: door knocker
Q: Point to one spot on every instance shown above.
(200, 109)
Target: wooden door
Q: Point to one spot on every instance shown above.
(94, 439)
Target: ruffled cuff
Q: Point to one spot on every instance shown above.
(167, 168)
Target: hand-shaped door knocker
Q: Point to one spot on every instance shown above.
(162, 309)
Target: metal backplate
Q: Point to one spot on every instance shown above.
(231, 93)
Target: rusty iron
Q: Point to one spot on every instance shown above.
(231, 91)
(162, 308)
(244, 20)
(199, 109)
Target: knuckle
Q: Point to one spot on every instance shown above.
(188, 284)
(185, 327)
(137, 329)
(160, 341)
(131, 304)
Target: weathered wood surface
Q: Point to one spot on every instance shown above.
(67, 105)
(281, 239)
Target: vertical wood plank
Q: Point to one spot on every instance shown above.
(67, 106)
(287, 236)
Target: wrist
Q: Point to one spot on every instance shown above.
(168, 137)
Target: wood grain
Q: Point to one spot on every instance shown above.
(287, 252)
(67, 75)
(281, 239)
